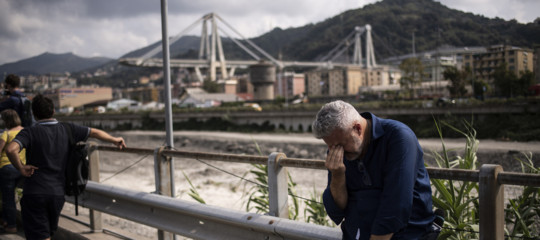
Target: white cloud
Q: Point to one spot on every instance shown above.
(113, 28)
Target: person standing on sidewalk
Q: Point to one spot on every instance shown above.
(9, 176)
(47, 149)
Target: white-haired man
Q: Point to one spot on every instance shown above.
(378, 187)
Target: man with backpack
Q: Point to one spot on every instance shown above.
(16, 99)
(47, 146)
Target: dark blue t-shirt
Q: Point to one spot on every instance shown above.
(390, 192)
(47, 146)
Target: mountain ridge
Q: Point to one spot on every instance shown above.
(52, 63)
(393, 23)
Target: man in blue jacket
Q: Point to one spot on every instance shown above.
(378, 187)
(13, 94)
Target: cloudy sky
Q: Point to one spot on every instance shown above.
(112, 28)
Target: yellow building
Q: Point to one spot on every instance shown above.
(77, 97)
(143, 94)
(349, 80)
(484, 64)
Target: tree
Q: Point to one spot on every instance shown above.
(479, 88)
(504, 81)
(210, 86)
(458, 80)
(524, 83)
(412, 74)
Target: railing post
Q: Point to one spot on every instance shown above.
(162, 170)
(93, 157)
(277, 187)
(491, 203)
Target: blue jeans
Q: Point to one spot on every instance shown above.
(9, 176)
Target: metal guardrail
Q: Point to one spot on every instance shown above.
(207, 222)
(196, 220)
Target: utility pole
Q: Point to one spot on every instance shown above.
(413, 46)
(168, 109)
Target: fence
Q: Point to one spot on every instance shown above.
(207, 222)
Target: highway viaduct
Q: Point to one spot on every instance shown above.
(291, 119)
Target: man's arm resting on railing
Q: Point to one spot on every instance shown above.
(104, 136)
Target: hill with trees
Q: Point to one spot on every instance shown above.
(393, 23)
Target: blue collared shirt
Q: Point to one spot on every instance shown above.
(397, 197)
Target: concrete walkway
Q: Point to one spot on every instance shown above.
(71, 227)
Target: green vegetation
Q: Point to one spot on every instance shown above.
(412, 75)
(458, 199)
(523, 212)
(508, 85)
(458, 79)
(393, 23)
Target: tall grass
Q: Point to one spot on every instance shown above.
(522, 213)
(258, 197)
(315, 212)
(459, 199)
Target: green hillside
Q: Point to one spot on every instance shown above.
(393, 23)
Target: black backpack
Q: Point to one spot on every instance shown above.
(77, 168)
(27, 118)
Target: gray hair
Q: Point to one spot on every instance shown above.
(334, 115)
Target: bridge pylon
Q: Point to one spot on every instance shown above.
(355, 37)
(211, 55)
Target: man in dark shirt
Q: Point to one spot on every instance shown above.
(47, 148)
(12, 95)
(378, 187)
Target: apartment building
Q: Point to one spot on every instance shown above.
(290, 84)
(349, 80)
(484, 64)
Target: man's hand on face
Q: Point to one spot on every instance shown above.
(334, 160)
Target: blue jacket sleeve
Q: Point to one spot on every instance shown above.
(9, 103)
(333, 211)
(399, 175)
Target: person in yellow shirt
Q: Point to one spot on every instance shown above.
(9, 175)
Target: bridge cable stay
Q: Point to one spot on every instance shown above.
(341, 51)
(158, 49)
(336, 48)
(203, 51)
(276, 62)
(390, 50)
(241, 45)
(355, 38)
